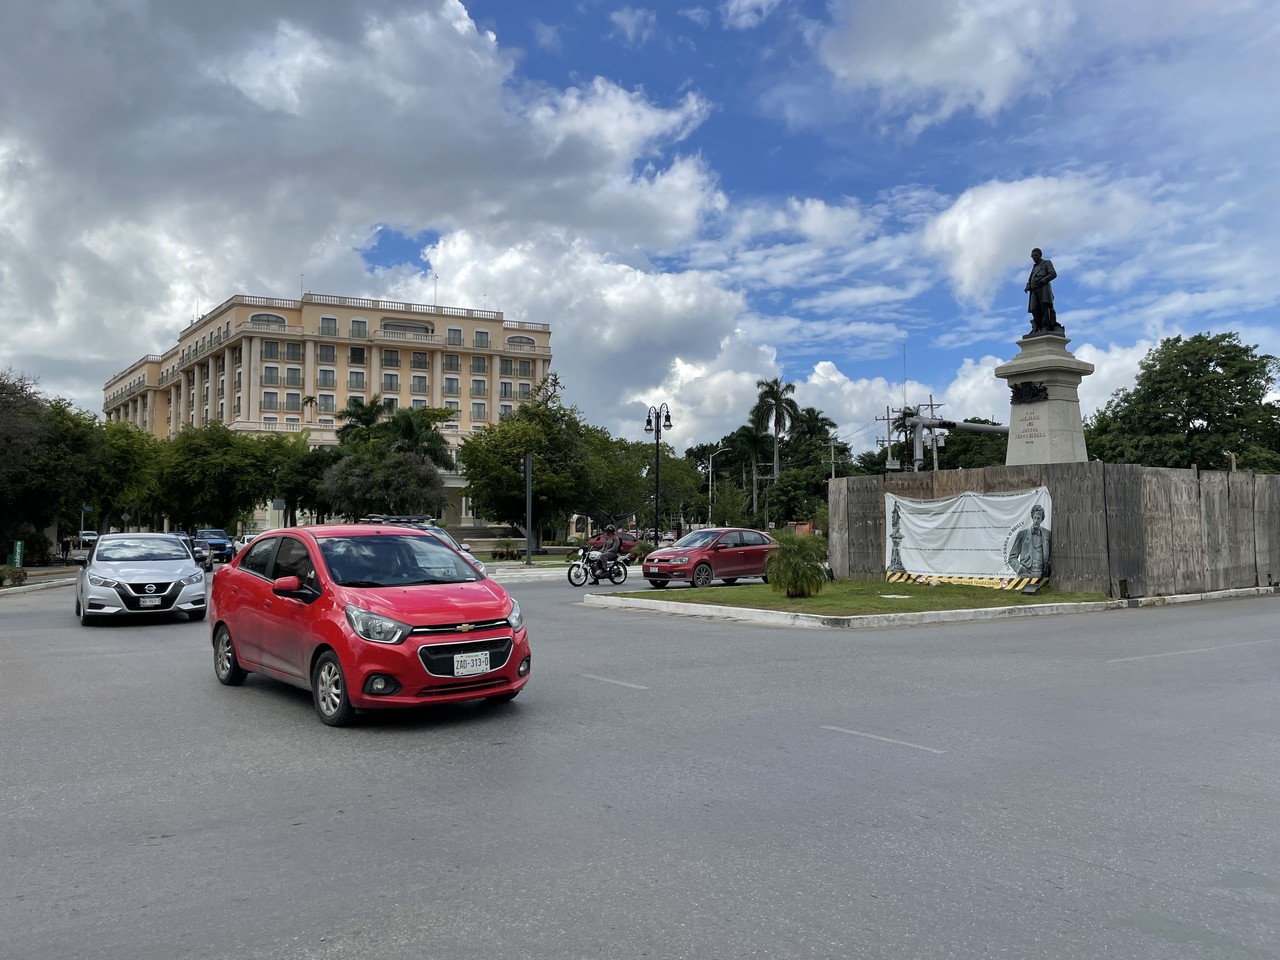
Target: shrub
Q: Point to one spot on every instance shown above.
(502, 549)
(640, 549)
(797, 568)
(14, 576)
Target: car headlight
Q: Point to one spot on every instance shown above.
(678, 560)
(98, 581)
(515, 618)
(376, 628)
(194, 578)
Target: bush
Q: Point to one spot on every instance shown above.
(640, 549)
(503, 548)
(797, 568)
(14, 576)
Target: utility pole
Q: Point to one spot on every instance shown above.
(890, 463)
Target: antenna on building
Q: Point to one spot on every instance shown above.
(301, 279)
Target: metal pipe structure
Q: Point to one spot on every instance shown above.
(918, 425)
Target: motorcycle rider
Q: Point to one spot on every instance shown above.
(608, 553)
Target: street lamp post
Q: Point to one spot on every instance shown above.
(658, 419)
(711, 460)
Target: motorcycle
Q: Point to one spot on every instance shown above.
(588, 564)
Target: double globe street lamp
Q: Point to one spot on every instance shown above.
(659, 419)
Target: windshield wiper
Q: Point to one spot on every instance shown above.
(361, 583)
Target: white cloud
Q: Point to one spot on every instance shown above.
(746, 14)
(637, 27)
(699, 15)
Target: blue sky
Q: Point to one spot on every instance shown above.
(695, 196)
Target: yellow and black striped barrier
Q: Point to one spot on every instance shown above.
(995, 583)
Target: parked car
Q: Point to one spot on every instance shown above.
(716, 553)
(242, 541)
(199, 550)
(88, 538)
(139, 573)
(219, 543)
(424, 523)
(367, 617)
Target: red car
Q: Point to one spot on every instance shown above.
(366, 617)
(627, 539)
(716, 553)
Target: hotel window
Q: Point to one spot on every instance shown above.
(293, 402)
(271, 400)
(293, 352)
(453, 363)
(236, 406)
(270, 423)
(390, 404)
(270, 350)
(391, 358)
(359, 328)
(356, 355)
(355, 380)
(326, 403)
(506, 367)
(452, 386)
(453, 405)
(355, 398)
(327, 353)
(292, 423)
(293, 377)
(454, 337)
(326, 421)
(526, 368)
(391, 382)
(479, 364)
(505, 409)
(235, 356)
(505, 390)
(419, 403)
(420, 361)
(327, 378)
(479, 388)
(270, 376)
(418, 384)
(237, 379)
(482, 339)
(328, 326)
(478, 412)
(526, 391)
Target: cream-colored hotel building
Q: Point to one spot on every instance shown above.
(261, 364)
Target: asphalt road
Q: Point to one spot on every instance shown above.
(1095, 785)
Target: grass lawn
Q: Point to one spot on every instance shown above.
(847, 598)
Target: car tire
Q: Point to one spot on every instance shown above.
(658, 583)
(226, 665)
(618, 573)
(195, 616)
(577, 574)
(86, 619)
(329, 692)
(702, 576)
(730, 581)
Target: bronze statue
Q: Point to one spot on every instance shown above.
(1044, 319)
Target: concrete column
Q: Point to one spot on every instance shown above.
(1044, 410)
(252, 389)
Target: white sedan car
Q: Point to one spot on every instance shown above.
(242, 541)
(128, 574)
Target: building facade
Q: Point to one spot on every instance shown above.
(260, 364)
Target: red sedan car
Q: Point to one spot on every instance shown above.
(716, 553)
(366, 617)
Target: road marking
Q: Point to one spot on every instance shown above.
(872, 736)
(1178, 653)
(621, 683)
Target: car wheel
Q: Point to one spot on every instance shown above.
(730, 580)
(701, 575)
(226, 665)
(196, 615)
(329, 691)
(86, 620)
(618, 573)
(765, 578)
(577, 574)
(658, 583)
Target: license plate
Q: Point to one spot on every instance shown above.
(650, 569)
(148, 601)
(469, 664)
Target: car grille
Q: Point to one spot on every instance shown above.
(462, 686)
(131, 594)
(438, 658)
(443, 628)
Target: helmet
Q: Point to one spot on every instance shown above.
(611, 529)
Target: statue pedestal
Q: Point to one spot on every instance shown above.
(1044, 412)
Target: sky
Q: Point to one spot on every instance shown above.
(696, 196)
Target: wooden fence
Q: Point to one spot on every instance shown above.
(1117, 528)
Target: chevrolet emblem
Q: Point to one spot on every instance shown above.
(466, 627)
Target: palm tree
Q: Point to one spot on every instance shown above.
(415, 432)
(309, 401)
(776, 410)
(359, 418)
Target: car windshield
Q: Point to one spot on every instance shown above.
(213, 534)
(388, 560)
(444, 535)
(141, 549)
(698, 538)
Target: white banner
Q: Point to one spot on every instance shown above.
(987, 537)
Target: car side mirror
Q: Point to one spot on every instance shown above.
(465, 546)
(286, 587)
(80, 561)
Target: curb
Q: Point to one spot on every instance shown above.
(883, 620)
(44, 584)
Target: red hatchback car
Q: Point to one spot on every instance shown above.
(366, 617)
(716, 553)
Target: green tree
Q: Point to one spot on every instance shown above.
(967, 450)
(1194, 402)
(359, 418)
(25, 429)
(127, 474)
(418, 432)
(370, 480)
(211, 475)
(775, 410)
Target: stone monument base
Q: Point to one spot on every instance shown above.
(1044, 409)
